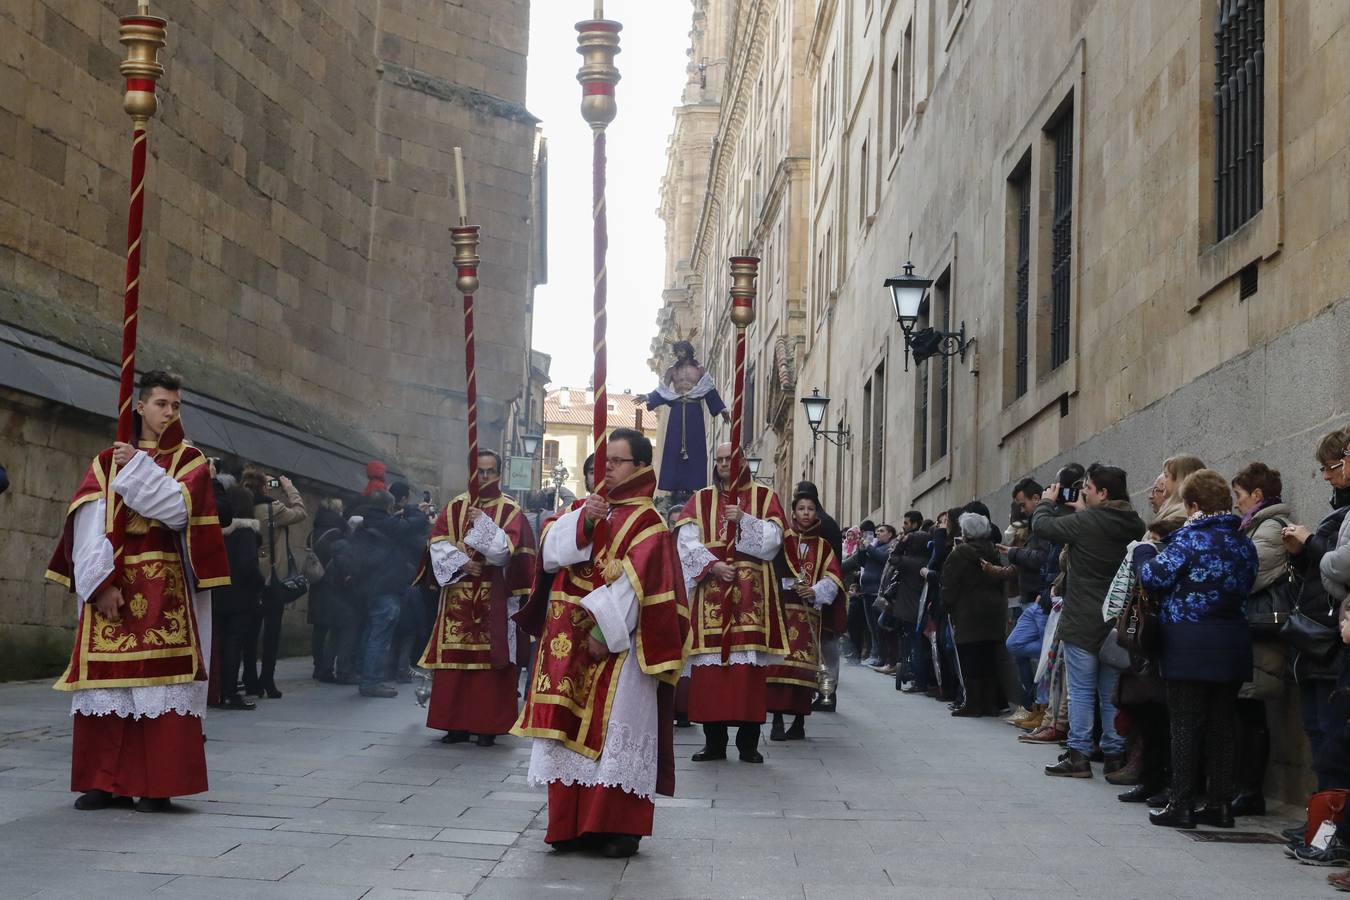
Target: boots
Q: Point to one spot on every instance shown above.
(714, 744)
(778, 732)
(1133, 769)
(747, 740)
(798, 730)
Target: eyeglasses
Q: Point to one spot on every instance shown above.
(722, 459)
(1322, 470)
(615, 460)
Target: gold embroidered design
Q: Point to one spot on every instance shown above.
(173, 632)
(105, 638)
(139, 606)
(542, 684)
(560, 647)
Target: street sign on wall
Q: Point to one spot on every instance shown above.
(520, 473)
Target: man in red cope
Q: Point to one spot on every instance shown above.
(611, 648)
(138, 670)
(482, 557)
(737, 622)
(810, 582)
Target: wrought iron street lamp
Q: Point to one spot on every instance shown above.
(816, 406)
(529, 444)
(754, 463)
(909, 297)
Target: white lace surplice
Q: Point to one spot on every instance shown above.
(629, 757)
(754, 537)
(150, 491)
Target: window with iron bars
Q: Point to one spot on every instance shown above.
(942, 291)
(1061, 238)
(1021, 189)
(1239, 112)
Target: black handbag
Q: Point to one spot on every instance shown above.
(292, 587)
(1138, 629)
(1310, 637)
(1271, 607)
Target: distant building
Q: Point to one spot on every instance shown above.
(568, 420)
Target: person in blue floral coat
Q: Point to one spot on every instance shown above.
(1201, 578)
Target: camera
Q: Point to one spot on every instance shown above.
(273, 483)
(1069, 494)
(426, 496)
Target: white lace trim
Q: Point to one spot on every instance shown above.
(629, 758)
(693, 564)
(736, 658)
(141, 703)
(485, 537)
(447, 561)
(750, 536)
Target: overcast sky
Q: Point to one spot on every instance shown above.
(652, 62)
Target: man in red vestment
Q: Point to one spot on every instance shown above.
(610, 651)
(138, 670)
(482, 557)
(737, 622)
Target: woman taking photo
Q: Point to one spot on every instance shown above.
(1201, 578)
(810, 582)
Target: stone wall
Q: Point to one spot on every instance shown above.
(296, 250)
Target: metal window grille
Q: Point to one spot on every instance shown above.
(921, 417)
(1239, 111)
(878, 432)
(1061, 240)
(944, 373)
(1022, 189)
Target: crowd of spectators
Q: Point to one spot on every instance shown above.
(356, 567)
(1157, 643)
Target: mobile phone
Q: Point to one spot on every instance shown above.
(273, 483)
(1068, 494)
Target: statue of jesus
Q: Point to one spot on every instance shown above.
(684, 450)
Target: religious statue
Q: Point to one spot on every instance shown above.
(684, 450)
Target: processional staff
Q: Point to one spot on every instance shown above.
(598, 44)
(464, 238)
(143, 35)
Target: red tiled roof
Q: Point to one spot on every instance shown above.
(578, 406)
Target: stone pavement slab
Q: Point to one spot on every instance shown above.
(324, 794)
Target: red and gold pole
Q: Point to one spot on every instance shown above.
(143, 35)
(598, 44)
(465, 240)
(744, 271)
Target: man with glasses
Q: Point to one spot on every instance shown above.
(601, 696)
(737, 621)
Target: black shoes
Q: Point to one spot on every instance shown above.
(1216, 815)
(1160, 799)
(706, 755)
(620, 846)
(1074, 765)
(97, 799)
(798, 730)
(751, 756)
(1173, 816)
(1249, 803)
(455, 737)
(271, 690)
(1140, 793)
(778, 732)
(154, 805)
(487, 740)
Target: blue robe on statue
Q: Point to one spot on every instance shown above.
(684, 450)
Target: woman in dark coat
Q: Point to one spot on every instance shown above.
(1202, 577)
(329, 528)
(233, 607)
(977, 605)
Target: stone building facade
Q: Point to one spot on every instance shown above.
(297, 262)
(1149, 247)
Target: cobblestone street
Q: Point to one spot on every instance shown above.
(325, 795)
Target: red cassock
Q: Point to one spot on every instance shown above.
(156, 643)
(742, 617)
(573, 697)
(472, 650)
(806, 559)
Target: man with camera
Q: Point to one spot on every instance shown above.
(1096, 523)
(277, 505)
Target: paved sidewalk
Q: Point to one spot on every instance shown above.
(323, 794)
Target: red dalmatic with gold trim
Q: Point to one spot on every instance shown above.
(473, 648)
(743, 614)
(157, 641)
(571, 693)
(806, 559)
